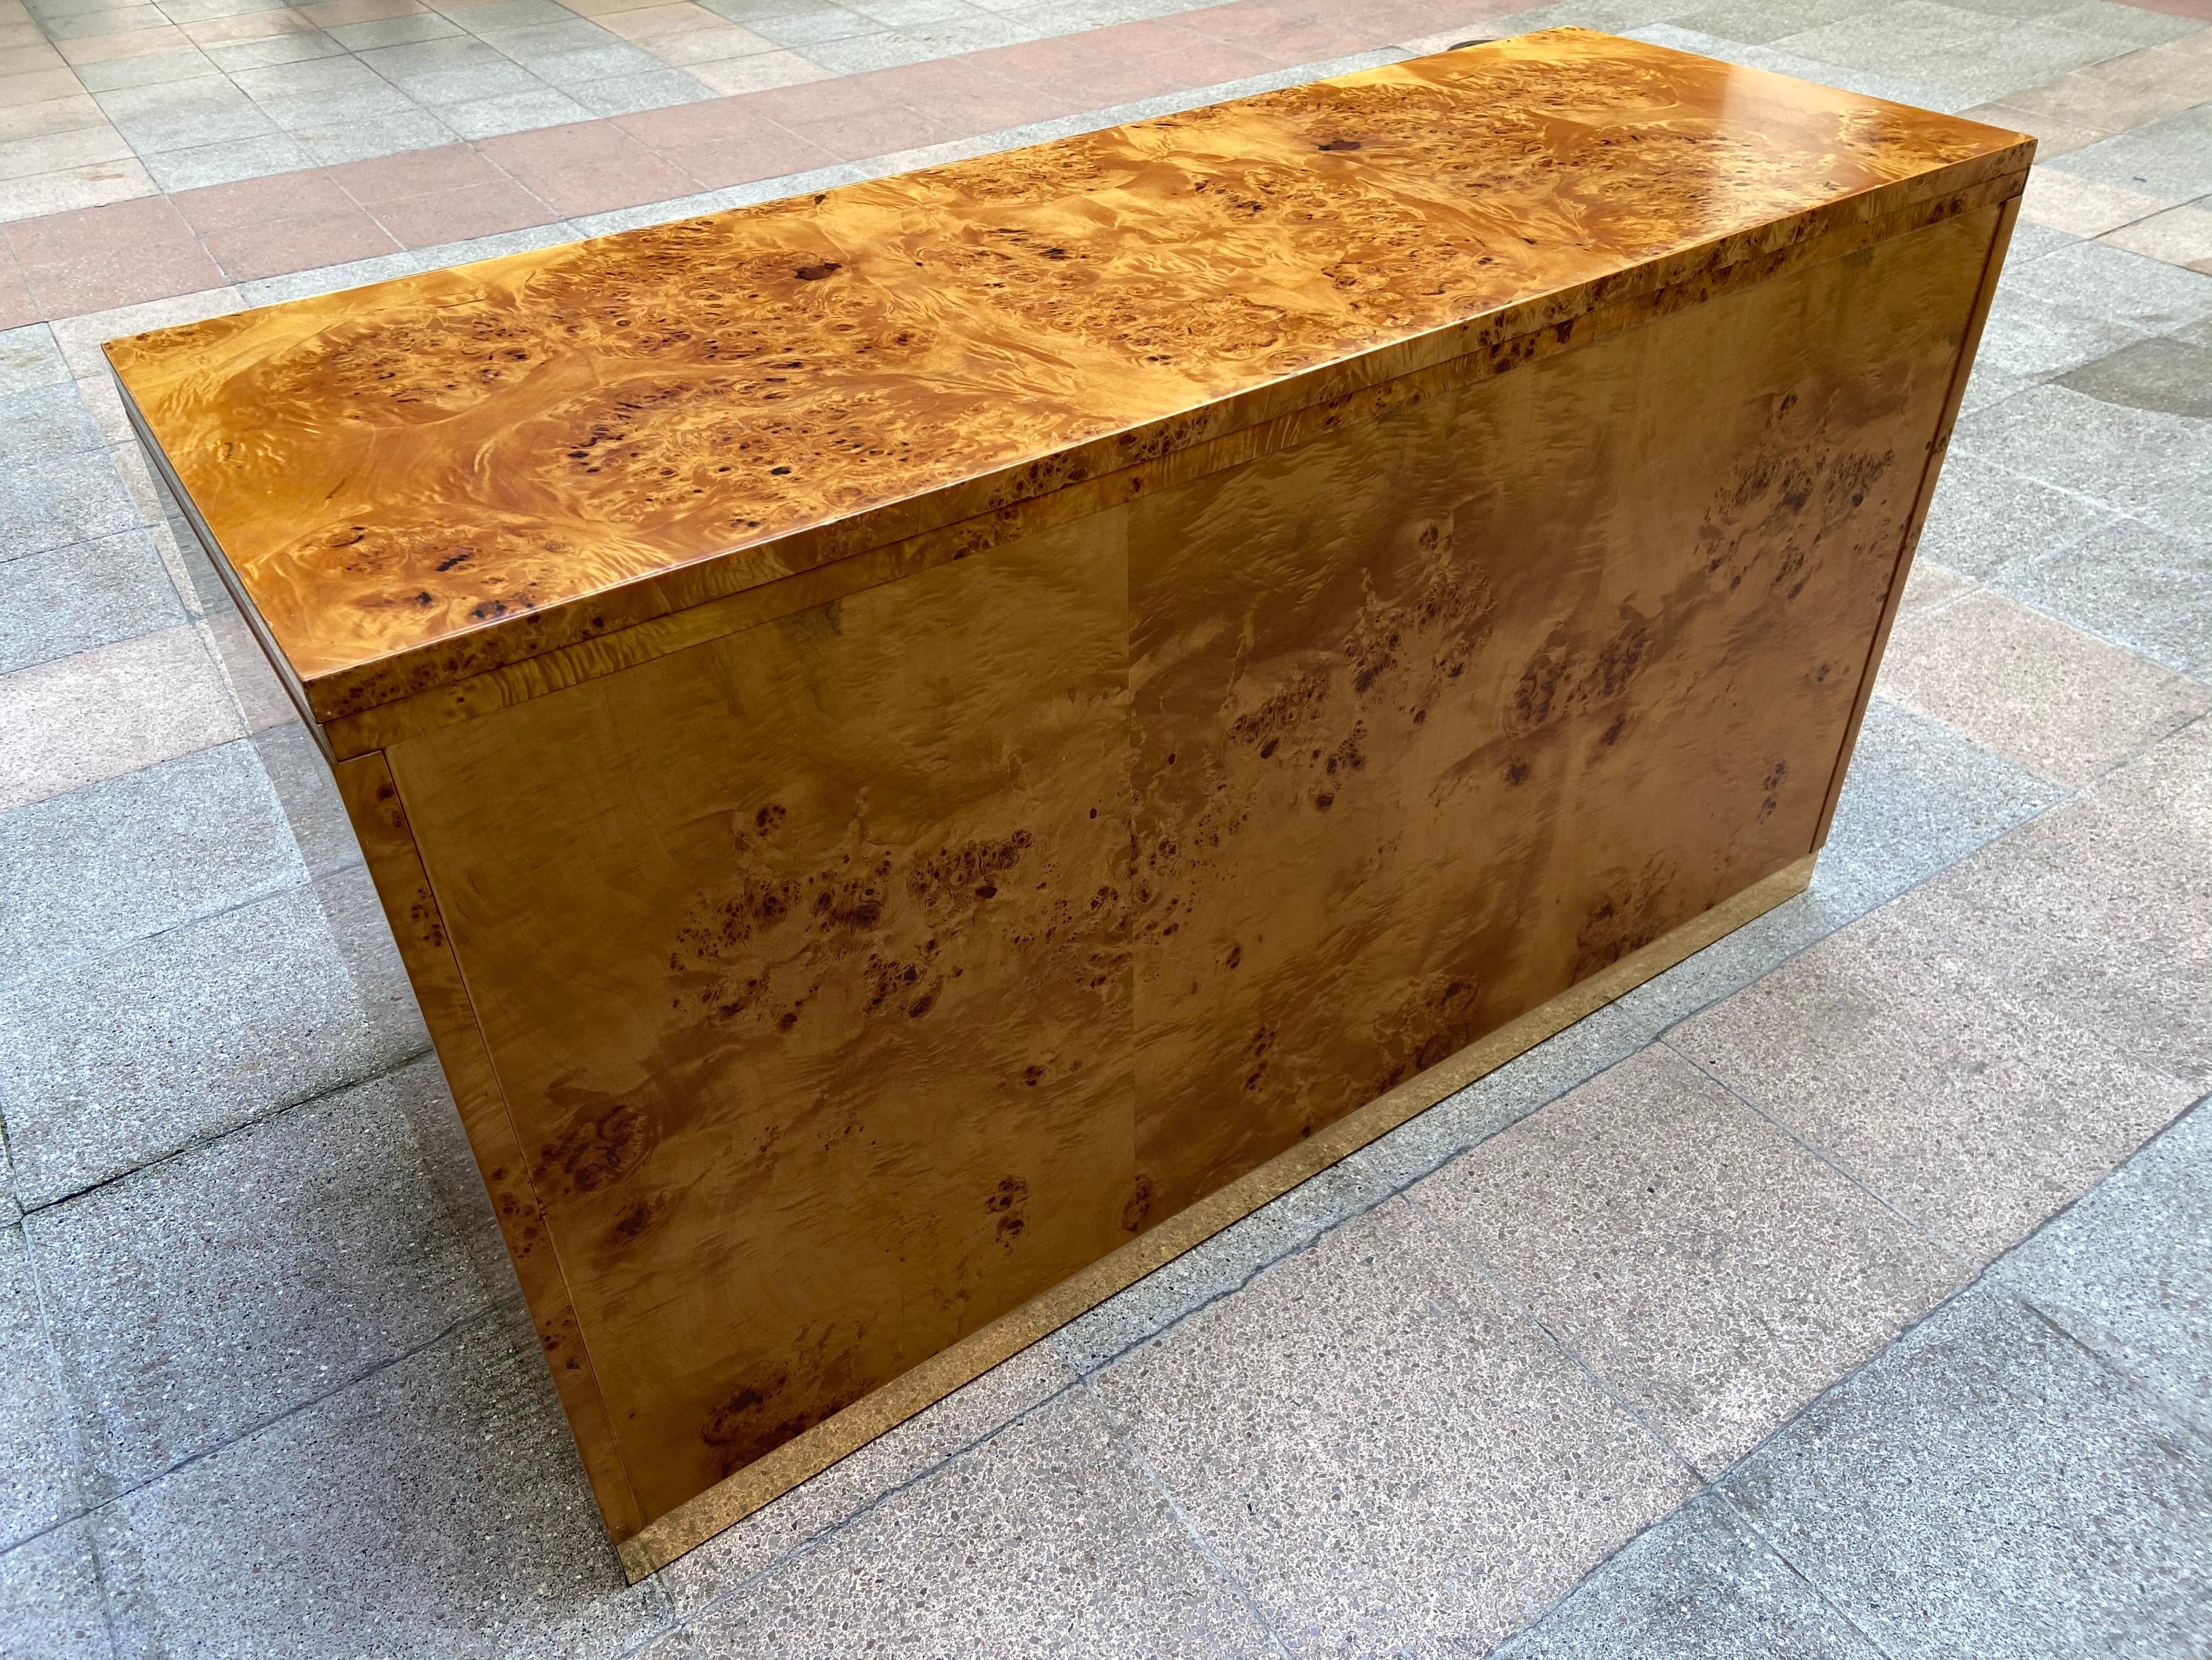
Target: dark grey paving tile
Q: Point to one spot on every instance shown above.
(1046, 1540)
(38, 1481)
(436, 1507)
(49, 1605)
(1962, 1097)
(200, 1298)
(2129, 584)
(70, 599)
(1382, 1452)
(73, 497)
(1706, 1265)
(135, 1056)
(2146, 463)
(135, 856)
(1982, 515)
(2128, 1270)
(2165, 375)
(1986, 1487)
(1701, 1585)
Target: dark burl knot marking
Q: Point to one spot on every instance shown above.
(1338, 144)
(816, 272)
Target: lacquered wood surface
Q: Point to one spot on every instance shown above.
(422, 480)
(854, 978)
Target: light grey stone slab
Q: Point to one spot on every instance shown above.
(38, 1481)
(2129, 584)
(118, 1062)
(205, 1295)
(1713, 1271)
(137, 855)
(309, 796)
(2148, 464)
(74, 497)
(1388, 1456)
(1046, 1540)
(2128, 1270)
(1838, 893)
(2097, 278)
(29, 358)
(70, 599)
(50, 1604)
(436, 1507)
(2171, 157)
(1973, 1108)
(2031, 337)
(522, 109)
(2165, 376)
(1986, 1487)
(1701, 1585)
(40, 422)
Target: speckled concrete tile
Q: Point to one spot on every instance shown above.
(1982, 515)
(40, 423)
(70, 599)
(136, 856)
(29, 357)
(2128, 1270)
(1706, 1265)
(49, 1605)
(2146, 463)
(1985, 1487)
(434, 1507)
(2128, 288)
(2165, 376)
(2170, 157)
(1928, 585)
(38, 1481)
(210, 1026)
(117, 709)
(195, 1299)
(74, 497)
(1046, 1540)
(2058, 701)
(2032, 338)
(1701, 1585)
(1364, 1401)
(2131, 585)
(1975, 1110)
(309, 796)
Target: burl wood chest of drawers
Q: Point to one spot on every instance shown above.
(928, 745)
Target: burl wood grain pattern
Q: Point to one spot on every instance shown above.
(424, 480)
(857, 976)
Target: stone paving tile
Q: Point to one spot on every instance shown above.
(70, 498)
(1969, 1104)
(2128, 1271)
(2131, 585)
(1363, 1400)
(2142, 293)
(38, 1483)
(29, 358)
(2143, 463)
(182, 1037)
(74, 599)
(112, 710)
(2029, 688)
(2171, 157)
(434, 1507)
(1701, 1585)
(50, 1602)
(1716, 1272)
(137, 855)
(2167, 375)
(1046, 1540)
(1986, 1487)
(203, 1295)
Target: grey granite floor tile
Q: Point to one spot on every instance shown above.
(139, 854)
(179, 1038)
(2127, 287)
(523, 110)
(1985, 1487)
(436, 1507)
(70, 599)
(2146, 463)
(39, 423)
(37, 1482)
(50, 1604)
(778, 1530)
(2051, 699)
(29, 358)
(76, 497)
(1973, 1108)
(227, 162)
(2170, 157)
(1711, 1269)
(2031, 338)
(1839, 894)
(1387, 1455)
(1701, 1585)
(1982, 516)
(197, 1298)
(309, 795)
(333, 138)
(629, 94)
(2131, 585)
(2128, 1271)
(1046, 1540)
(2165, 375)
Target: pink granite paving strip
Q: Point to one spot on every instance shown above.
(88, 259)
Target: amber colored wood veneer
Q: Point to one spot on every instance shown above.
(930, 745)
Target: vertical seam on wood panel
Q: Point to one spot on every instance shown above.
(1939, 446)
(530, 1186)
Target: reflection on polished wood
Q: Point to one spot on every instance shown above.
(921, 739)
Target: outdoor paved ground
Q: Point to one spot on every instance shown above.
(1846, 1292)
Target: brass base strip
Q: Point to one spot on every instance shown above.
(732, 1499)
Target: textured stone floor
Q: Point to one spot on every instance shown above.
(1846, 1292)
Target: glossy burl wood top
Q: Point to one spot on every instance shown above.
(422, 480)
